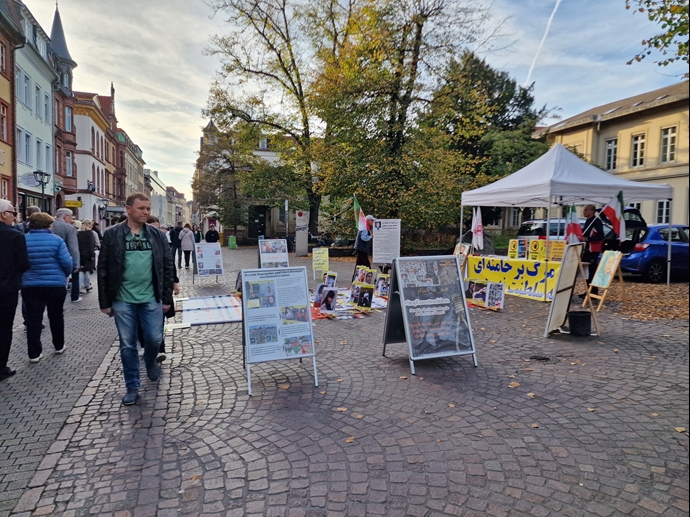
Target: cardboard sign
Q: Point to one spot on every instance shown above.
(429, 294)
(386, 242)
(273, 253)
(319, 259)
(518, 248)
(209, 259)
(537, 249)
(557, 249)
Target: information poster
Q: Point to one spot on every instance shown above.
(485, 294)
(273, 253)
(211, 310)
(537, 249)
(526, 278)
(517, 248)
(434, 309)
(209, 260)
(277, 317)
(319, 259)
(557, 249)
(386, 244)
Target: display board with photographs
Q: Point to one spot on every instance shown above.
(386, 240)
(485, 294)
(276, 316)
(431, 299)
(209, 259)
(273, 253)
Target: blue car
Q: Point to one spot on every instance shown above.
(648, 257)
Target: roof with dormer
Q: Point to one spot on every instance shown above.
(57, 39)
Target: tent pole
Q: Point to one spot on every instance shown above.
(548, 234)
(462, 218)
(668, 251)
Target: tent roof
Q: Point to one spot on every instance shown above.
(562, 174)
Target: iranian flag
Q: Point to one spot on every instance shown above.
(614, 213)
(573, 231)
(360, 220)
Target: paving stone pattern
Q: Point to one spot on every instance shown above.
(589, 430)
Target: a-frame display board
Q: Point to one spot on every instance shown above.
(609, 266)
(276, 318)
(565, 287)
(273, 253)
(427, 309)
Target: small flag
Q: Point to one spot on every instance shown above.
(573, 231)
(477, 230)
(614, 213)
(360, 220)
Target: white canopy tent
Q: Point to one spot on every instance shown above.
(560, 178)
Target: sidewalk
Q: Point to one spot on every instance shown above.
(590, 431)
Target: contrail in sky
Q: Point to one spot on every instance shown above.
(541, 43)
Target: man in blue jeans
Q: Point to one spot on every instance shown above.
(135, 286)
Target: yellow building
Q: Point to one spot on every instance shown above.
(642, 138)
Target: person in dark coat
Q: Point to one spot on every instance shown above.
(14, 261)
(87, 254)
(593, 237)
(175, 243)
(212, 235)
(363, 245)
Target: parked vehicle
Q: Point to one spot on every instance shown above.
(536, 228)
(648, 257)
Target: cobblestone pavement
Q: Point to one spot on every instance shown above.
(589, 431)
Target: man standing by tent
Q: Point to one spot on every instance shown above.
(593, 237)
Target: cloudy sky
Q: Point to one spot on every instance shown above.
(152, 51)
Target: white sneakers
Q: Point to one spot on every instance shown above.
(35, 359)
(62, 350)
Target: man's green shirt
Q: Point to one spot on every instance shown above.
(137, 281)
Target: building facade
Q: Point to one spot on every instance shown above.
(11, 37)
(34, 79)
(158, 197)
(643, 138)
(65, 139)
(131, 163)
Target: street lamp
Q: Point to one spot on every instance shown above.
(42, 178)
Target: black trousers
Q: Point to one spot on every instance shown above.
(593, 259)
(187, 254)
(37, 299)
(8, 307)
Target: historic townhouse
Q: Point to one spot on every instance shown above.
(34, 79)
(11, 37)
(642, 138)
(158, 196)
(130, 163)
(63, 117)
(116, 182)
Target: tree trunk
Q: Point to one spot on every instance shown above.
(314, 206)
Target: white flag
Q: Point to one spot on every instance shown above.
(477, 230)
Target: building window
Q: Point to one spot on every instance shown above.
(68, 119)
(68, 163)
(27, 148)
(18, 83)
(637, 151)
(18, 140)
(39, 155)
(611, 154)
(49, 156)
(668, 144)
(515, 217)
(663, 212)
(5, 189)
(27, 91)
(263, 143)
(93, 141)
(3, 123)
(3, 58)
(37, 103)
(46, 107)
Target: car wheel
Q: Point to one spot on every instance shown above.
(656, 271)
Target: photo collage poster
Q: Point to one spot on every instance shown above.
(434, 307)
(277, 318)
(363, 287)
(485, 294)
(209, 260)
(273, 253)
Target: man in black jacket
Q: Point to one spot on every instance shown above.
(14, 260)
(212, 235)
(135, 284)
(593, 237)
(175, 243)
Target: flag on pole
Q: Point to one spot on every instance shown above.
(477, 230)
(360, 220)
(573, 231)
(614, 213)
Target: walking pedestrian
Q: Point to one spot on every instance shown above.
(43, 284)
(197, 233)
(29, 211)
(135, 285)
(14, 261)
(63, 228)
(87, 252)
(175, 244)
(186, 243)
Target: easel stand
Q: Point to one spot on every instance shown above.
(602, 297)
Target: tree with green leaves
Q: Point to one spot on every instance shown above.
(672, 42)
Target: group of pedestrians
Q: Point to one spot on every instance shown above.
(183, 237)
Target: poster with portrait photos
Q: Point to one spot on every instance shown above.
(429, 295)
(276, 316)
(273, 253)
(209, 259)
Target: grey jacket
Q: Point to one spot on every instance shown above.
(68, 233)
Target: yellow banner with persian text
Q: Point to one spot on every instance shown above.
(522, 277)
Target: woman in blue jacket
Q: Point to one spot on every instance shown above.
(43, 285)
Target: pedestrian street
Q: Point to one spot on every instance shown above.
(563, 426)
